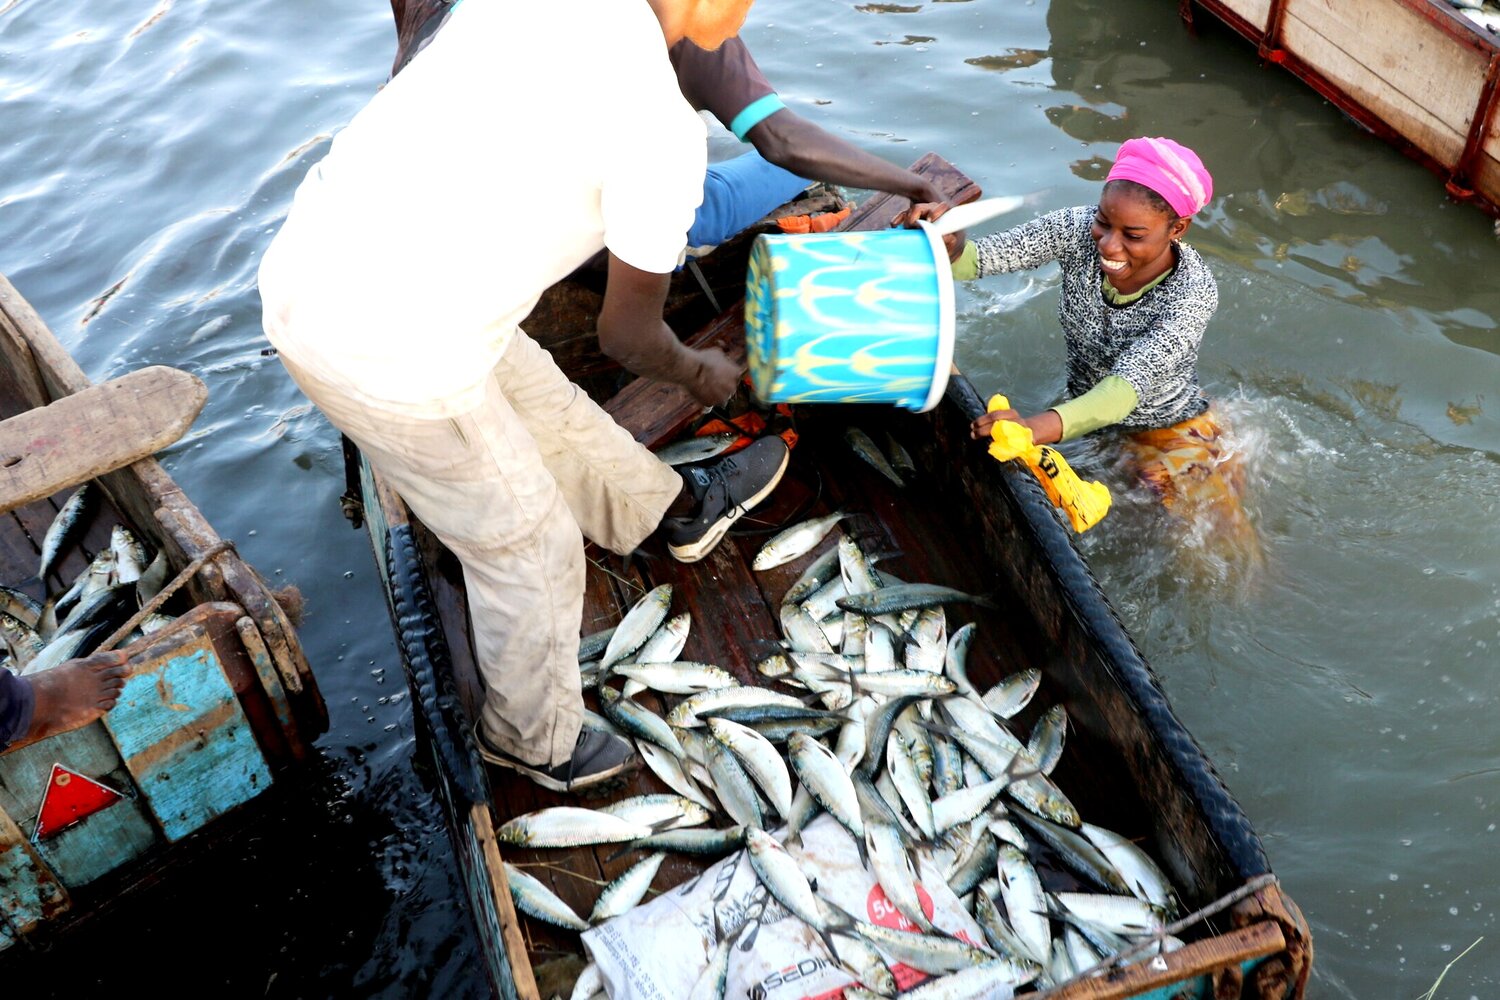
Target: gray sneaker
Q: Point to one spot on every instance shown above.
(725, 491)
(597, 757)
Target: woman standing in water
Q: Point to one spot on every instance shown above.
(1134, 305)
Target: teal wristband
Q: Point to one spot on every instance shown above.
(754, 113)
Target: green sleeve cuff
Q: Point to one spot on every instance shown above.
(966, 268)
(754, 113)
(1108, 402)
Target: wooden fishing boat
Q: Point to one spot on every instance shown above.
(219, 703)
(1417, 73)
(966, 522)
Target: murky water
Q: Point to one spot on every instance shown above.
(1343, 690)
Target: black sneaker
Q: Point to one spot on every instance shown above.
(725, 490)
(597, 757)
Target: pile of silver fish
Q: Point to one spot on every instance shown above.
(876, 723)
(38, 635)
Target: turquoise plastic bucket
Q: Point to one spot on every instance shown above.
(850, 318)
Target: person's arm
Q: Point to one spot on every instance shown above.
(1046, 427)
(1110, 401)
(727, 83)
(1030, 245)
(796, 144)
(632, 332)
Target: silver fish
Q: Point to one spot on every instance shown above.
(1013, 694)
(894, 872)
(779, 873)
(1047, 737)
(964, 804)
(699, 448)
(909, 783)
(955, 662)
(908, 597)
(591, 647)
(900, 457)
(798, 540)
(638, 720)
(865, 963)
(535, 899)
(928, 646)
(1141, 875)
(1121, 914)
(681, 677)
(694, 841)
(153, 579)
(659, 811)
(589, 983)
(713, 980)
(685, 713)
(1024, 903)
(972, 867)
(761, 760)
(130, 555)
(20, 606)
(21, 639)
(670, 770)
(802, 632)
(934, 953)
(973, 983)
(666, 643)
(644, 618)
(66, 525)
(567, 826)
(1077, 852)
(818, 572)
(827, 781)
(824, 600)
(733, 786)
(867, 450)
(998, 932)
(628, 889)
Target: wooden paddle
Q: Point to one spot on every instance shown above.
(96, 430)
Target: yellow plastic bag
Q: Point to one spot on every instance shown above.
(1084, 503)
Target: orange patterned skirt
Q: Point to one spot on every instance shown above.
(1197, 472)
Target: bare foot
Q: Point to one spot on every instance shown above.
(73, 694)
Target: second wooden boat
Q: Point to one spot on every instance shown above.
(220, 704)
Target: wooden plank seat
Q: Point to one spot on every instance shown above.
(96, 430)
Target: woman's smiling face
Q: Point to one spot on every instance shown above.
(1134, 236)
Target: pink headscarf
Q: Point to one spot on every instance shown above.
(1168, 168)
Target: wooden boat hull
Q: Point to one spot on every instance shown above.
(1415, 72)
(220, 702)
(970, 522)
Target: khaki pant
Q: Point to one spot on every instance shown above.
(507, 488)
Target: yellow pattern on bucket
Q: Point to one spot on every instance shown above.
(1084, 503)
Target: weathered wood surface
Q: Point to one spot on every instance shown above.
(181, 731)
(29, 893)
(95, 431)
(1415, 72)
(1398, 61)
(1199, 958)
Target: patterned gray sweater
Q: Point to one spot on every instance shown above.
(1151, 343)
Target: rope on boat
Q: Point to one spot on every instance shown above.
(191, 570)
(1224, 902)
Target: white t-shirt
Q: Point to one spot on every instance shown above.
(524, 139)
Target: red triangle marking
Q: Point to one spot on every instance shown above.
(71, 798)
